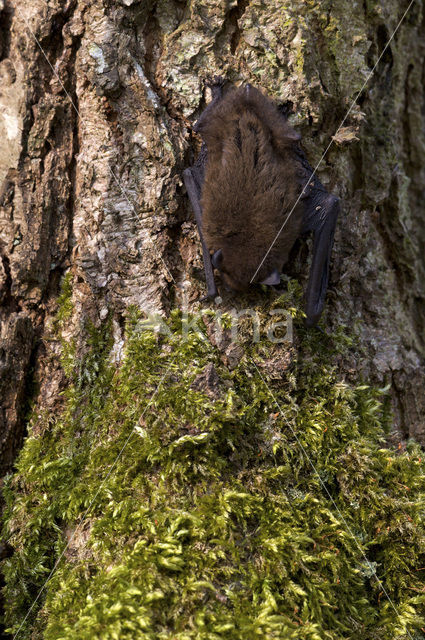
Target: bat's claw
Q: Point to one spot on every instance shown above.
(214, 81)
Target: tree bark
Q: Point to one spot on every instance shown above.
(97, 105)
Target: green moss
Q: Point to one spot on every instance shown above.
(214, 517)
(65, 305)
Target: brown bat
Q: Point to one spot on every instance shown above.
(253, 195)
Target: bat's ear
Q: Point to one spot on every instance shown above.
(272, 279)
(217, 259)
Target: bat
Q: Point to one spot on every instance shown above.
(253, 194)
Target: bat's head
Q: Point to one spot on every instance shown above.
(237, 279)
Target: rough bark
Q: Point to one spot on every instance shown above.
(97, 102)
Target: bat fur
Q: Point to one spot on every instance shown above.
(250, 186)
(248, 178)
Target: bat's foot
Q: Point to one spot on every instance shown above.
(214, 81)
(285, 108)
(216, 84)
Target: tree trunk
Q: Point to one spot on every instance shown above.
(97, 104)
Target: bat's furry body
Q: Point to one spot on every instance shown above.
(247, 179)
(250, 185)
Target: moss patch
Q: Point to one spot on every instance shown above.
(65, 305)
(224, 516)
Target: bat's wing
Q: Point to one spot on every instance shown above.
(193, 179)
(321, 214)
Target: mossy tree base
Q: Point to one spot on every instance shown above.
(189, 514)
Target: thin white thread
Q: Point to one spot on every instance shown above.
(123, 192)
(329, 495)
(88, 508)
(331, 142)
